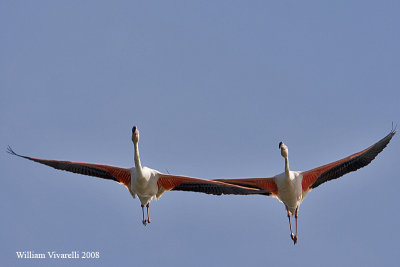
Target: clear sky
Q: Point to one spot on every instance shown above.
(213, 86)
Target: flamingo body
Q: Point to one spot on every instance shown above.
(290, 190)
(144, 186)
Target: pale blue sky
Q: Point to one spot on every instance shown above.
(213, 87)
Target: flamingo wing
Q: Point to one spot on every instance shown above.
(313, 178)
(184, 183)
(265, 184)
(120, 175)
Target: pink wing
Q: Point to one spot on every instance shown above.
(266, 184)
(120, 175)
(313, 178)
(184, 183)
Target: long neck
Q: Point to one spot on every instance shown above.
(138, 166)
(287, 166)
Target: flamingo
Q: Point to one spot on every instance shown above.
(291, 187)
(148, 184)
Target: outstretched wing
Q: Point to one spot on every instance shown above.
(183, 183)
(267, 185)
(313, 178)
(120, 175)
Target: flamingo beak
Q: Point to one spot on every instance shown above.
(280, 144)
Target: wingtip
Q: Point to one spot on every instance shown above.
(11, 151)
(394, 129)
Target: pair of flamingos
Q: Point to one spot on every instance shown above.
(290, 187)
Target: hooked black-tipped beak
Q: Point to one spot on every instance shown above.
(280, 144)
(133, 129)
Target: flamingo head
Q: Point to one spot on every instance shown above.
(284, 150)
(135, 135)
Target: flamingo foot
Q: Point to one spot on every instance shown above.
(144, 222)
(148, 220)
(295, 239)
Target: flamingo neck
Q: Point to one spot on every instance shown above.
(287, 171)
(138, 166)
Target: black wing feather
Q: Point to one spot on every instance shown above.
(216, 189)
(69, 166)
(355, 163)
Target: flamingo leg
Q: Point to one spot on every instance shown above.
(296, 216)
(143, 221)
(290, 225)
(148, 216)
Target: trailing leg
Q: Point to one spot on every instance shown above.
(148, 216)
(143, 220)
(296, 216)
(290, 224)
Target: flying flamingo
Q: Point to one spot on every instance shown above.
(291, 187)
(146, 183)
